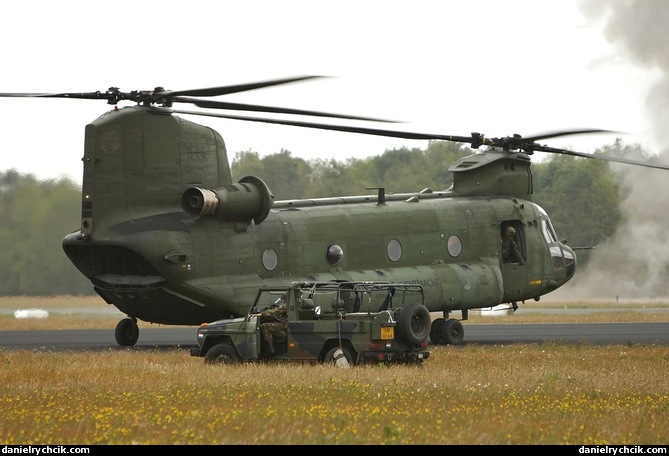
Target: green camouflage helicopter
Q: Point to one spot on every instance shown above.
(168, 238)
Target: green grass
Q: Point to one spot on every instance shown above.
(474, 394)
(500, 394)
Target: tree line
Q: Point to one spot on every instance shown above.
(582, 197)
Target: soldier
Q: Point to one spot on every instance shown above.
(274, 323)
(510, 250)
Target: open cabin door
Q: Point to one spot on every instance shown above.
(514, 265)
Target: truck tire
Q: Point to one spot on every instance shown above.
(340, 357)
(413, 323)
(222, 354)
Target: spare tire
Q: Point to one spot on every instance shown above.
(413, 323)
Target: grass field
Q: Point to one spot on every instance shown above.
(513, 394)
(473, 394)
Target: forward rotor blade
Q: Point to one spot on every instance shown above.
(474, 140)
(627, 161)
(258, 108)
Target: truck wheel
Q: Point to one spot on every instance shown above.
(452, 332)
(222, 354)
(413, 323)
(340, 357)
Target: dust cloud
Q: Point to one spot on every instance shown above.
(634, 262)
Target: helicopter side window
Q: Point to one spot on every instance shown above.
(334, 254)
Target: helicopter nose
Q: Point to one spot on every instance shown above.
(570, 262)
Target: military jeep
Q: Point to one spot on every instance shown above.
(345, 323)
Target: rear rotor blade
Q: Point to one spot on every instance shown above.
(559, 133)
(83, 95)
(225, 90)
(344, 128)
(259, 108)
(159, 95)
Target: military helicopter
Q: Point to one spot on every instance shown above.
(168, 238)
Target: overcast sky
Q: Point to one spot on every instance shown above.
(448, 67)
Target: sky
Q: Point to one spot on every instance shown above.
(443, 66)
(447, 67)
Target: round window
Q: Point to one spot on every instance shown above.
(334, 255)
(394, 250)
(454, 246)
(270, 259)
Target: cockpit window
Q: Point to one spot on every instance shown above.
(548, 231)
(547, 227)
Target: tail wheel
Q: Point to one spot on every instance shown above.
(452, 332)
(413, 323)
(127, 332)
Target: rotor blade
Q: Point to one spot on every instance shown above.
(258, 108)
(475, 139)
(556, 134)
(344, 128)
(83, 95)
(627, 161)
(159, 95)
(225, 90)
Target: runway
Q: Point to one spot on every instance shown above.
(504, 333)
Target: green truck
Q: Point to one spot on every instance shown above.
(344, 323)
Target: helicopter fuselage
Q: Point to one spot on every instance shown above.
(166, 237)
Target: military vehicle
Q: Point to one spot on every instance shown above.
(345, 323)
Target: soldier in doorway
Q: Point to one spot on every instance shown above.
(510, 251)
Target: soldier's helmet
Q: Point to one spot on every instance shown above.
(510, 231)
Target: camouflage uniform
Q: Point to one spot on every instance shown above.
(510, 251)
(274, 323)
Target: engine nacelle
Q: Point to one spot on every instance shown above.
(249, 199)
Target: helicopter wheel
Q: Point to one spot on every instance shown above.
(435, 331)
(127, 332)
(452, 332)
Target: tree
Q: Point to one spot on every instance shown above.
(35, 216)
(287, 177)
(582, 197)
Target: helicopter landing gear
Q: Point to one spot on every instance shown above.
(127, 332)
(447, 332)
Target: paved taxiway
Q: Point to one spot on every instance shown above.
(505, 333)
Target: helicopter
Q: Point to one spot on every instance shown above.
(167, 237)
